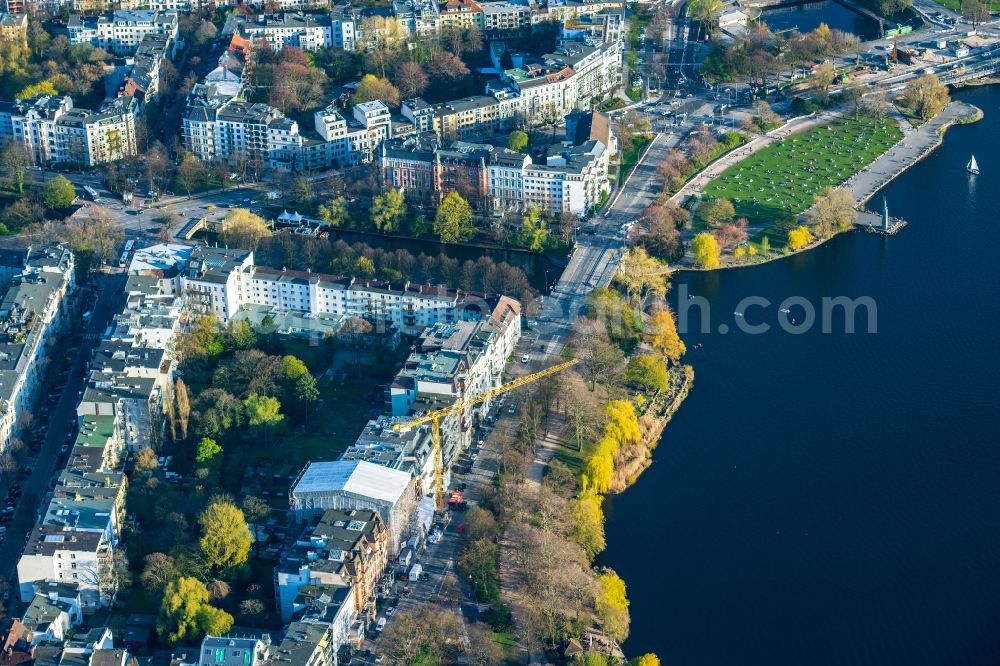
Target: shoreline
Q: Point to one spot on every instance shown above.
(961, 120)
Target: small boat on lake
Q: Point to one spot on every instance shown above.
(972, 167)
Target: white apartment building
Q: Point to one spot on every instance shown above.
(66, 555)
(97, 137)
(54, 131)
(220, 127)
(121, 32)
(307, 32)
(31, 318)
(572, 180)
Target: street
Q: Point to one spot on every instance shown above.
(57, 426)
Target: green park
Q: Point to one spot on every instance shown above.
(772, 186)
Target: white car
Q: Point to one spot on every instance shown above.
(524, 359)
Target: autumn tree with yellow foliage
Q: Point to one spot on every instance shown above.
(612, 606)
(798, 238)
(706, 251)
(663, 337)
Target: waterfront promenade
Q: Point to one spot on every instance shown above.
(916, 143)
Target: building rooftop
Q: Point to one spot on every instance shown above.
(355, 477)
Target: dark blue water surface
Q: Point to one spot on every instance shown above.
(807, 16)
(835, 499)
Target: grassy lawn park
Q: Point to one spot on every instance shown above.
(771, 187)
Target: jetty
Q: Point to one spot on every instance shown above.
(879, 224)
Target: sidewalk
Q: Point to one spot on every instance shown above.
(916, 143)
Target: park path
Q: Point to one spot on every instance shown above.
(917, 143)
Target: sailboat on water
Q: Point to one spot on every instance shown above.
(972, 166)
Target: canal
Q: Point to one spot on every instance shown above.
(833, 498)
(806, 17)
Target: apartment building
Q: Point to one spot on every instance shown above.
(14, 28)
(97, 137)
(64, 554)
(348, 140)
(452, 361)
(506, 19)
(572, 180)
(346, 548)
(418, 17)
(462, 14)
(54, 131)
(32, 315)
(217, 126)
(122, 31)
(408, 450)
(356, 485)
(305, 31)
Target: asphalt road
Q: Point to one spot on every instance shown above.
(58, 422)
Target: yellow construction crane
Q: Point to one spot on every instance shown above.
(435, 417)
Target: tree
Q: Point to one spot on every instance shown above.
(388, 210)
(453, 220)
(15, 160)
(251, 611)
(145, 460)
(334, 212)
(255, 509)
(612, 606)
(648, 659)
(975, 11)
(301, 191)
(411, 80)
(517, 140)
(355, 330)
(205, 33)
(588, 523)
(925, 96)
(648, 371)
(243, 229)
(59, 193)
(183, 407)
(731, 233)
(96, 233)
(365, 266)
(447, 70)
(372, 88)
(478, 563)
(706, 11)
(240, 335)
(191, 173)
(798, 238)
(263, 412)
(186, 616)
(158, 572)
(207, 450)
(642, 275)
(663, 337)
(822, 79)
(715, 211)
(706, 251)
(40, 88)
(483, 649)
(534, 229)
(424, 633)
(225, 537)
(832, 211)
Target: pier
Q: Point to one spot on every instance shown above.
(878, 224)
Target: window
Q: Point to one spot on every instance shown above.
(220, 655)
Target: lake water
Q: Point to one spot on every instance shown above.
(830, 499)
(807, 16)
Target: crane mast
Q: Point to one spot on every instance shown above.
(435, 417)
